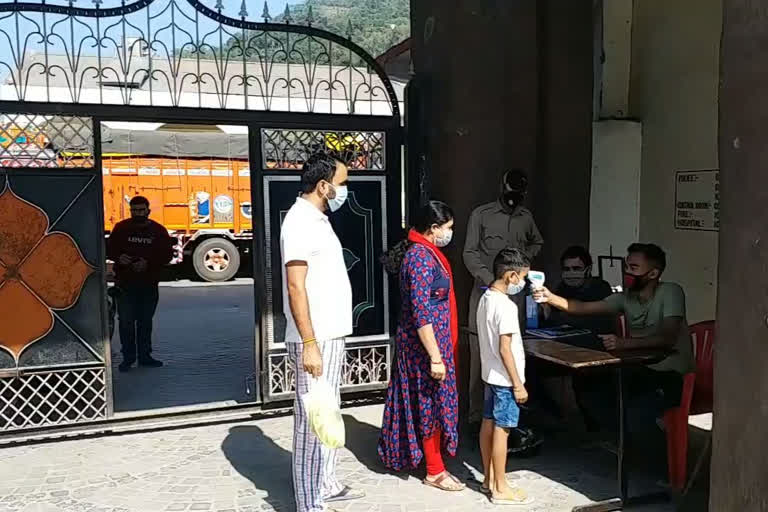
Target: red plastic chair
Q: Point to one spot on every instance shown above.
(676, 420)
(621, 326)
(703, 342)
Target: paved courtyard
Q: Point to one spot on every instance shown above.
(204, 335)
(245, 467)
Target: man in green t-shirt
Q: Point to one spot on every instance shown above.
(655, 317)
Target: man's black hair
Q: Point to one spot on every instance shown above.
(319, 167)
(509, 260)
(139, 201)
(577, 251)
(652, 253)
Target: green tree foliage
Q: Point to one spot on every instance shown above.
(375, 25)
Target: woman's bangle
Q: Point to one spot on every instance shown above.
(436, 362)
(309, 341)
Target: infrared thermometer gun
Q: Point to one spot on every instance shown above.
(537, 279)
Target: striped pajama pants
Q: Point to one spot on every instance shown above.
(314, 465)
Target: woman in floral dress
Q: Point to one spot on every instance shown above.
(421, 412)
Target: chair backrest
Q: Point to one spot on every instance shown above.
(703, 335)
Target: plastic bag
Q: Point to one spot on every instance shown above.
(324, 414)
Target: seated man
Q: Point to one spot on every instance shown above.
(655, 315)
(577, 283)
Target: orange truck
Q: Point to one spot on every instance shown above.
(197, 180)
(205, 203)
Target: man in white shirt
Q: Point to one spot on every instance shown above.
(317, 302)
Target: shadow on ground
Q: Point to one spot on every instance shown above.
(362, 441)
(565, 462)
(589, 471)
(262, 461)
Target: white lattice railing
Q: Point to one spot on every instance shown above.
(52, 398)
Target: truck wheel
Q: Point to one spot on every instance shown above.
(216, 260)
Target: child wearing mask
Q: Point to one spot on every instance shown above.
(502, 360)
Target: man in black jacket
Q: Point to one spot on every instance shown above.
(140, 247)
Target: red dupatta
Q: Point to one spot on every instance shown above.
(418, 238)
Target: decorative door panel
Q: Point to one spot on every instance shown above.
(52, 336)
(361, 227)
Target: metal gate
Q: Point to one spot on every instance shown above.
(52, 362)
(64, 70)
(362, 225)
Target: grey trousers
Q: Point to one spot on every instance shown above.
(476, 385)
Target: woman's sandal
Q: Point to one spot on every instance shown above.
(438, 483)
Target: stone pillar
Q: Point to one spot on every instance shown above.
(739, 475)
(509, 84)
(498, 85)
(564, 147)
(479, 59)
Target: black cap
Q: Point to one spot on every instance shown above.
(515, 180)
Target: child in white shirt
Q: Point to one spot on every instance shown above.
(502, 359)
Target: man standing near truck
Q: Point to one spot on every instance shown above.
(140, 247)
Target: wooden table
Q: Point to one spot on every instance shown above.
(583, 359)
(578, 358)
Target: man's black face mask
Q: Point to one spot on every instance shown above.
(512, 199)
(513, 188)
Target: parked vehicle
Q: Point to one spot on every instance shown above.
(205, 203)
(198, 185)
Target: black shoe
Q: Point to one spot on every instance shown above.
(125, 366)
(150, 363)
(523, 443)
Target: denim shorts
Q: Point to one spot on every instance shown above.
(500, 406)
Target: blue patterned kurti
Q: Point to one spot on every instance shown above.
(416, 403)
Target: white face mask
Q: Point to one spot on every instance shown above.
(515, 288)
(445, 239)
(574, 278)
(339, 199)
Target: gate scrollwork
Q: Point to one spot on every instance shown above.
(183, 53)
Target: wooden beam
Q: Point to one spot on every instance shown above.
(739, 477)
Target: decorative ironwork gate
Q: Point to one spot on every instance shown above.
(65, 69)
(52, 362)
(362, 228)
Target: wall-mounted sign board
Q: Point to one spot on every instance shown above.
(697, 200)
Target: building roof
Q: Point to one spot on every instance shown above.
(175, 144)
(397, 61)
(201, 82)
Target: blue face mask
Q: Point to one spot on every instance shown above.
(515, 288)
(339, 199)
